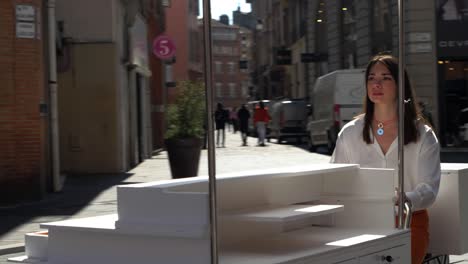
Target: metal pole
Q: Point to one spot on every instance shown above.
(401, 109)
(210, 126)
(56, 180)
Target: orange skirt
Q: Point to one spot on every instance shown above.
(419, 236)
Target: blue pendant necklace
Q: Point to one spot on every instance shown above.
(380, 126)
(380, 130)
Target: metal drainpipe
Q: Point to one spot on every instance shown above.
(210, 126)
(54, 131)
(401, 110)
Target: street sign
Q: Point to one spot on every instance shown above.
(420, 47)
(163, 47)
(419, 37)
(25, 13)
(25, 30)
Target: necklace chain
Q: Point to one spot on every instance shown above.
(380, 125)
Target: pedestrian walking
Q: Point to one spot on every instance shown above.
(221, 117)
(371, 141)
(243, 116)
(234, 120)
(261, 119)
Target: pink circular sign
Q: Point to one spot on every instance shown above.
(163, 47)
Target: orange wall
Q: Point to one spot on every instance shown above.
(177, 27)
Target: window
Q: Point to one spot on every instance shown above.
(219, 89)
(231, 67)
(226, 50)
(232, 90)
(349, 37)
(381, 26)
(218, 67)
(245, 89)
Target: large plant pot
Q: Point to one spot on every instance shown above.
(184, 156)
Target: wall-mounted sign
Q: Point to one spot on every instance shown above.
(163, 47)
(25, 13)
(452, 38)
(420, 47)
(25, 30)
(25, 21)
(419, 37)
(452, 33)
(166, 3)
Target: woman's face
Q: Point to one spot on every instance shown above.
(381, 86)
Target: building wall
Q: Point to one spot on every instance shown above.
(92, 125)
(104, 96)
(334, 39)
(226, 57)
(297, 71)
(363, 32)
(88, 111)
(88, 20)
(422, 64)
(177, 28)
(23, 137)
(158, 95)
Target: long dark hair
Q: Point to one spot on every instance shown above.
(412, 112)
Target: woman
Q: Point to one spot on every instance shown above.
(371, 141)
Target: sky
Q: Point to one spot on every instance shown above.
(225, 7)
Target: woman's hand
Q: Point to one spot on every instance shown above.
(396, 198)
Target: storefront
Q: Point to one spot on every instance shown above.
(452, 51)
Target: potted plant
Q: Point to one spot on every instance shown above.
(185, 129)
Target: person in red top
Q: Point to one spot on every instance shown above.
(261, 119)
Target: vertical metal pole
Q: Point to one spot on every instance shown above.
(210, 126)
(54, 128)
(401, 109)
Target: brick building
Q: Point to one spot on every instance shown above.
(231, 63)
(108, 98)
(23, 129)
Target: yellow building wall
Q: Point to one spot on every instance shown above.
(88, 111)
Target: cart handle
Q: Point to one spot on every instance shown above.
(408, 215)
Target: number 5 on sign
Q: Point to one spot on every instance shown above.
(163, 47)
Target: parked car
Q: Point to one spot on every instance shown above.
(337, 98)
(289, 119)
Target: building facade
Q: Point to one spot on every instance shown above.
(182, 27)
(24, 134)
(231, 63)
(452, 72)
(345, 34)
(105, 84)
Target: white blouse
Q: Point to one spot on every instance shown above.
(422, 160)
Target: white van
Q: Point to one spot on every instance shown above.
(289, 119)
(337, 98)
